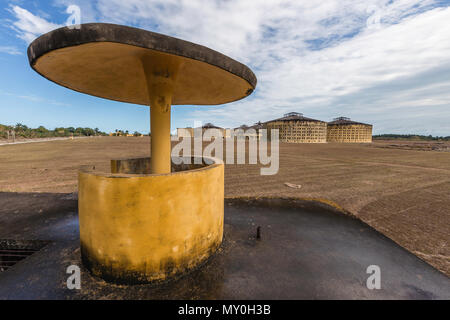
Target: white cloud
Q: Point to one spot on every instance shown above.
(329, 58)
(34, 98)
(30, 26)
(10, 50)
(308, 56)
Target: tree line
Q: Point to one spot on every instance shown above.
(410, 137)
(22, 131)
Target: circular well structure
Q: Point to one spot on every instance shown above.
(145, 222)
(137, 228)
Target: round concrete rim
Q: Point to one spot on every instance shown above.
(87, 169)
(103, 32)
(180, 209)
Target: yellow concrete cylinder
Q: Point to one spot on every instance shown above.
(138, 228)
(160, 138)
(161, 72)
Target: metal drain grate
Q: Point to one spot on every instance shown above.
(13, 251)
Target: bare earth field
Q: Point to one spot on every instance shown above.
(31, 140)
(400, 188)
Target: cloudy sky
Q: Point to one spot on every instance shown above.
(381, 62)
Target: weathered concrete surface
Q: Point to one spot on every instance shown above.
(142, 228)
(303, 254)
(404, 194)
(104, 60)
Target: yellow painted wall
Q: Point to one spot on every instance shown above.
(189, 132)
(304, 131)
(357, 133)
(142, 228)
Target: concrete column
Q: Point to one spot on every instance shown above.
(160, 71)
(160, 135)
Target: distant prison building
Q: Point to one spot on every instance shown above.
(293, 127)
(254, 131)
(343, 129)
(189, 132)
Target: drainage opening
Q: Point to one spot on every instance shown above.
(13, 251)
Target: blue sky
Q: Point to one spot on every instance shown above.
(380, 62)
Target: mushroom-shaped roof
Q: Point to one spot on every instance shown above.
(345, 121)
(104, 60)
(294, 116)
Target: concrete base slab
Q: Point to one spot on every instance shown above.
(303, 253)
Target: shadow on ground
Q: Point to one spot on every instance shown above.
(305, 252)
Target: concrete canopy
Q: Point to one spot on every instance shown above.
(105, 60)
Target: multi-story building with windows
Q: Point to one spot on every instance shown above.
(343, 129)
(295, 128)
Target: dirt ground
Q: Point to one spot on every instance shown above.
(415, 145)
(400, 189)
